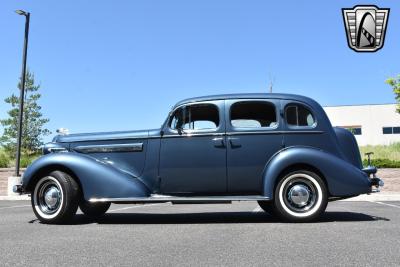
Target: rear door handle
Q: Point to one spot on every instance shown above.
(235, 142)
(219, 142)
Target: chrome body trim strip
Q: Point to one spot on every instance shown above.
(57, 149)
(135, 147)
(241, 133)
(167, 198)
(273, 132)
(192, 135)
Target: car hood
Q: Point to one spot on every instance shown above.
(81, 137)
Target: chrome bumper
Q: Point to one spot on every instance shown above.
(376, 184)
(17, 189)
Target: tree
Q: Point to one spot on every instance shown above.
(33, 129)
(395, 84)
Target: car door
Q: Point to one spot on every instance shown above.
(253, 136)
(193, 150)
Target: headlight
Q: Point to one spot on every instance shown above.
(53, 148)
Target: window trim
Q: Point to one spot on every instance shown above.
(249, 129)
(290, 126)
(190, 131)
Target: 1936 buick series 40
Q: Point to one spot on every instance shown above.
(277, 149)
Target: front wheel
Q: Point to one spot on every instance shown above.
(55, 198)
(300, 196)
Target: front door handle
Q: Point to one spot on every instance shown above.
(235, 142)
(219, 142)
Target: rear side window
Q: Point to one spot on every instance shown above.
(298, 115)
(253, 114)
(195, 117)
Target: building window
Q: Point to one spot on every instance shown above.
(391, 130)
(356, 130)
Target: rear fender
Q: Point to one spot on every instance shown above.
(342, 178)
(96, 178)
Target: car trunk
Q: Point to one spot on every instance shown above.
(348, 145)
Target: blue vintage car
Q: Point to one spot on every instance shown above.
(277, 149)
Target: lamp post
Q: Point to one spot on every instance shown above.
(22, 91)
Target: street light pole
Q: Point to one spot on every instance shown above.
(22, 90)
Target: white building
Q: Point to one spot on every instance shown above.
(371, 124)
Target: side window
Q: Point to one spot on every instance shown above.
(253, 114)
(195, 117)
(298, 115)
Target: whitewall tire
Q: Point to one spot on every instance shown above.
(300, 196)
(55, 198)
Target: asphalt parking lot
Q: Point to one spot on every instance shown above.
(350, 233)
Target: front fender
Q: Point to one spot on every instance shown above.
(97, 179)
(342, 178)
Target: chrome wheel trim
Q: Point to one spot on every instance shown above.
(300, 195)
(48, 197)
(305, 182)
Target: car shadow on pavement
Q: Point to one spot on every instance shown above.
(214, 218)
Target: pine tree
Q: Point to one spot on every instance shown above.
(395, 84)
(33, 129)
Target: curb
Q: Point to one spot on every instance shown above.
(23, 197)
(376, 197)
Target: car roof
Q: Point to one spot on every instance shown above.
(247, 96)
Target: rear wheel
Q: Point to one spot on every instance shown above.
(300, 196)
(94, 210)
(55, 198)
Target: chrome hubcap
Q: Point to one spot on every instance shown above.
(299, 195)
(52, 197)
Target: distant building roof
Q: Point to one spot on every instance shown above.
(357, 105)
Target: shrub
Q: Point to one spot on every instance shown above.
(4, 160)
(26, 160)
(383, 163)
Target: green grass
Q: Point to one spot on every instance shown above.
(391, 152)
(384, 156)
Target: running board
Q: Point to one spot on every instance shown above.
(167, 198)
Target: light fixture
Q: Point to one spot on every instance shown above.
(20, 12)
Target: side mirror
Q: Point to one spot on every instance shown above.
(180, 130)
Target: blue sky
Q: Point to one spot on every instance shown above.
(121, 65)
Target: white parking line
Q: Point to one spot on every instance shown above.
(136, 206)
(11, 207)
(258, 209)
(386, 204)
